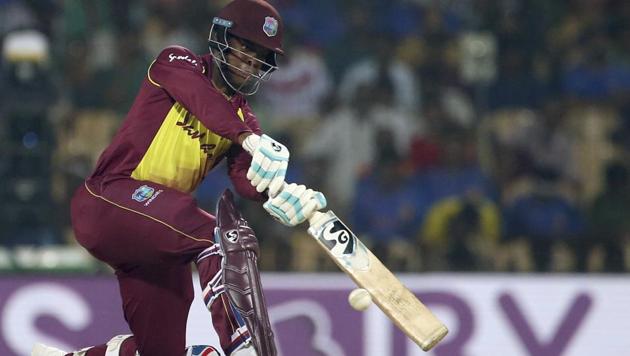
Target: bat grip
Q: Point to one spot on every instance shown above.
(318, 219)
(316, 216)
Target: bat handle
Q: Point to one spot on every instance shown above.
(316, 216)
(318, 219)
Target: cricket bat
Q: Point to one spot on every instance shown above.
(391, 296)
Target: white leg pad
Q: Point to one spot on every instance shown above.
(82, 352)
(248, 350)
(43, 350)
(113, 345)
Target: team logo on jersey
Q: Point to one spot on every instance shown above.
(143, 193)
(270, 28)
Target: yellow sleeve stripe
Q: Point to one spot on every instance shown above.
(149, 76)
(149, 217)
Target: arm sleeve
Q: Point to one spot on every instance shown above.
(182, 75)
(238, 162)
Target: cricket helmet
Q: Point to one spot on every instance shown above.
(255, 21)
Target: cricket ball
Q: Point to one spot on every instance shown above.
(359, 299)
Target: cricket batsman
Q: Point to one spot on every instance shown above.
(136, 213)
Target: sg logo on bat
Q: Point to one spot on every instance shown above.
(338, 239)
(342, 244)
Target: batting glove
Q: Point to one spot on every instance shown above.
(269, 164)
(294, 204)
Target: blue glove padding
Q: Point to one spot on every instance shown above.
(294, 204)
(269, 164)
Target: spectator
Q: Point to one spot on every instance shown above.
(460, 233)
(383, 63)
(545, 219)
(385, 210)
(516, 86)
(609, 226)
(458, 172)
(346, 139)
(27, 213)
(295, 95)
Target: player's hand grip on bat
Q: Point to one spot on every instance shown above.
(269, 164)
(294, 204)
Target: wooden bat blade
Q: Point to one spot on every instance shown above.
(368, 272)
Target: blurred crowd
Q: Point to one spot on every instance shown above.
(450, 135)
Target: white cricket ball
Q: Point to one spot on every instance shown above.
(359, 299)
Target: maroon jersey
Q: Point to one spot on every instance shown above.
(180, 126)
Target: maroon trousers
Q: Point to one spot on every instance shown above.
(150, 234)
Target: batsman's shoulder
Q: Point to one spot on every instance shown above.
(178, 56)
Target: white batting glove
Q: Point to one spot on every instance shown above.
(294, 204)
(269, 164)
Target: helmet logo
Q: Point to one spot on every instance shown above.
(270, 28)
